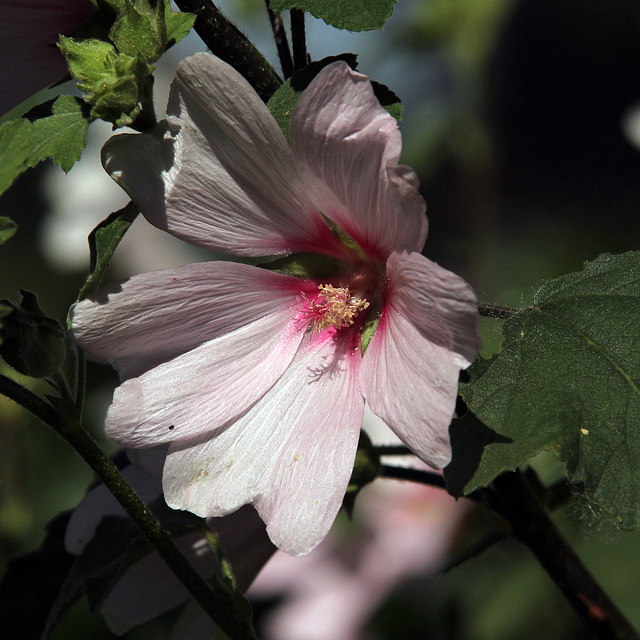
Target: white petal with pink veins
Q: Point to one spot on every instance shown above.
(291, 455)
(199, 391)
(347, 147)
(173, 311)
(219, 174)
(426, 334)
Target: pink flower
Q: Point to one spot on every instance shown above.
(148, 589)
(257, 379)
(29, 59)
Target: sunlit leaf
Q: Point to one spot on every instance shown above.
(61, 136)
(15, 146)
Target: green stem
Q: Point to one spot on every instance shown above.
(235, 626)
(227, 42)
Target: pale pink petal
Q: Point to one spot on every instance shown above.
(29, 30)
(347, 147)
(440, 303)
(157, 316)
(199, 391)
(220, 175)
(427, 333)
(291, 455)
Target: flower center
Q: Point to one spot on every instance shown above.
(333, 307)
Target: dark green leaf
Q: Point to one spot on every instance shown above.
(31, 342)
(61, 136)
(354, 15)
(103, 241)
(15, 147)
(7, 228)
(31, 584)
(283, 101)
(567, 379)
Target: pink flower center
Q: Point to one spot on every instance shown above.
(334, 307)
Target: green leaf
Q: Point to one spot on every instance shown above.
(283, 101)
(103, 241)
(568, 379)
(61, 136)
(31, 342)
(15, 146)
(370, 326)
(113, 82)
(178, 25)
(140, 30)
(7, 228)
(354, 15)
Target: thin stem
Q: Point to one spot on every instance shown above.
(225, 617)
(511, 497)
(30, 401)
(486, 542)
(298, 40)
(282, 44)
(495, 312)
(414, 475)
(226, 41)
(392, 450)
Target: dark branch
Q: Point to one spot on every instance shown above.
(511, 497)
(282, 44)
(298, 40)
(226, 41)
(498, 313)
(414, 475)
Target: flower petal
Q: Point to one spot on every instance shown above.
(219, 174)
(347, 147)
(438, 302)
(154, 317)
(427, 333)
(201, 390)
(291, 455)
